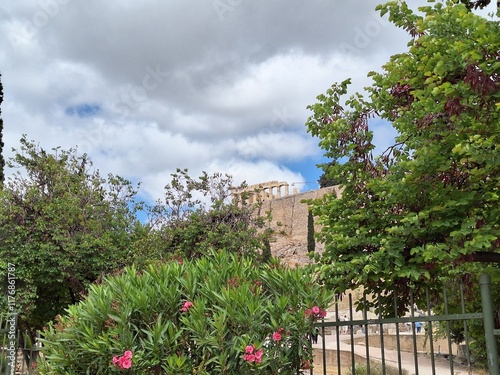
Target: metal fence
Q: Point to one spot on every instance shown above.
(16, 359)
(419, 342)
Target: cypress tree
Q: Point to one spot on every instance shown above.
(266, 251)
(311, 243)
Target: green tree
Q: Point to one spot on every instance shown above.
(311, 242)
(325, 180)
(197, 215)
(62, 226)
(267, 255)
(419, 213)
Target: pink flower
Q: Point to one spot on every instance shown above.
(186, 306)
(316, 312)
(277, 336)
(251, 355)
(124, 361)
(258, 355)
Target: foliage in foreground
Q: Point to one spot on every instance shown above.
(419, 213)
(62, 226)
(215, 315)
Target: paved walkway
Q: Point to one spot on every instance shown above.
(441, 364)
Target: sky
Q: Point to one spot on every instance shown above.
(145, 87)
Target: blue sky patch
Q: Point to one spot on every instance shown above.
(83, 110)
(309, 171)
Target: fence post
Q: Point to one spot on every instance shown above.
(489, 326)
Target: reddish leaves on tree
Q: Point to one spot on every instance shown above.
(402, 94)
(481, 82)
(453, 107)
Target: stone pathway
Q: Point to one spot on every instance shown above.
(442, 365)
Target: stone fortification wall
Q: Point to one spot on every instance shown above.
(289, 216)
(290, 223)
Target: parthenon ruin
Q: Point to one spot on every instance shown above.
(261, 192)
(290, 216)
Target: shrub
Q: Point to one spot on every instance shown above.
(215, 315)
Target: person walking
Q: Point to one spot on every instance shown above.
(314, 336)
(418, 325)
(345, 328)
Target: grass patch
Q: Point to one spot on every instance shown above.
(375, 369)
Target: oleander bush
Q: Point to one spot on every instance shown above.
(216, 315)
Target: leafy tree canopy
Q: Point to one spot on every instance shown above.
(197, 215)
(324, 180)
(62, 226)
(418, 213)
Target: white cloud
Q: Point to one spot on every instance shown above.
(175, 84)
